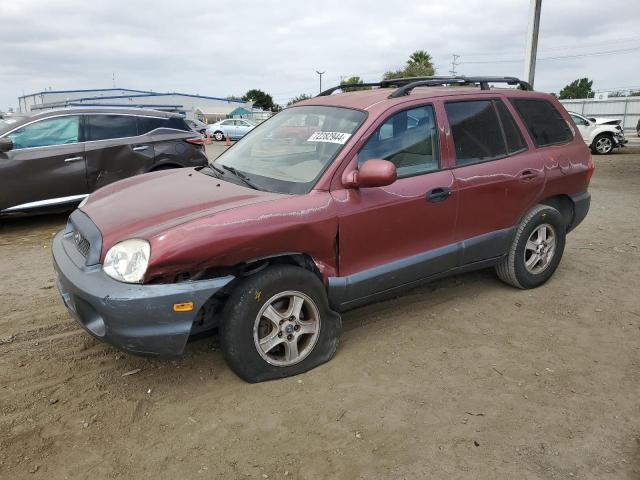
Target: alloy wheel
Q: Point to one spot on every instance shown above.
(540, 249)
(604, 145)
(286, 328)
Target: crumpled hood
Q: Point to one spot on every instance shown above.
(606, 120)
(149, 204)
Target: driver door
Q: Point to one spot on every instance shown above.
(395, 235)
(45, 167)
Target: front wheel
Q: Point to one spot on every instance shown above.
(277, 323)
(219, 136)
(602, 144)
(536, 249)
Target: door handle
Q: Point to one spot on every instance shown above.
(73, 159)
(438, 194)
(140, 148)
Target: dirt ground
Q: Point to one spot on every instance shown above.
(462, 378)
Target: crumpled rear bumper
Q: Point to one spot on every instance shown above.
(136, 318)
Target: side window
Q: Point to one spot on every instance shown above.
(51, 131)
(104, 127)
(409, 139)
(147, 124)
(228, 122)
(476, 131)
(178, 123)
(544, 123)
(578, 120)
(512, 134)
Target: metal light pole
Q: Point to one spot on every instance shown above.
(532, 41)
(320, 73)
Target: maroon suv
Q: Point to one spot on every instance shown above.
(407, 182)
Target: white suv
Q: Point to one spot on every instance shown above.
(601, 134)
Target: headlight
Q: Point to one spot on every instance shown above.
(127, 261)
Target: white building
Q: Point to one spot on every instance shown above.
(203, 107)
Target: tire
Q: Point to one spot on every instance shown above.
(602, 144)
(514, 268)
(218, 135)
(245, 326)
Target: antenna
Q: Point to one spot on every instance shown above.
(113, 78)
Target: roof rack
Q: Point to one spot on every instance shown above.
(406, 85)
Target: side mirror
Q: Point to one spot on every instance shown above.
(372, 173)
(6, 144)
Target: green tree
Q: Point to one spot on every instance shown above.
(352, 80)
(580, 88)
(299, 98)
(420, 64)
(259, 99)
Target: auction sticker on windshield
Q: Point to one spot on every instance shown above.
(329, 137)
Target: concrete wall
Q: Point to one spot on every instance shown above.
(625, 108)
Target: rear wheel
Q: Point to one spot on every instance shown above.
(277, 323)
(219, 136)
(536, 249)
(602, 144)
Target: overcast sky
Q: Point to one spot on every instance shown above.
(226, 48)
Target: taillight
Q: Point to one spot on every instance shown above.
(195, 141)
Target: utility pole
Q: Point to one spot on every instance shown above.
(320, 74)
(454, 64)
(532, 41)
(113, 79)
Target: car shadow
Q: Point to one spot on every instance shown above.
(31, 223)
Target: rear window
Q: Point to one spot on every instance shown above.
(476, 131)
(104, 127)
(178, 123)
(543, 121)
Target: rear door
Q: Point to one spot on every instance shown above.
(114, 149)
(242, 128)
(46, 166)
(394, 235)
(497, 175)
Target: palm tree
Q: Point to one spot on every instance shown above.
(419, 65)
(420, 57)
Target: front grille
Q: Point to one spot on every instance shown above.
(85, 237)
(82, 244)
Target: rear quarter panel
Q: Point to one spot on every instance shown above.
(568, 167)
(171, 149)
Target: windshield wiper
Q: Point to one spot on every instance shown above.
(242, 177)
(210, 171)
(217, 169)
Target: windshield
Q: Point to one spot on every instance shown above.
(289, 152)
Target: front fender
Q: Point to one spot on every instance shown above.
(602, 129)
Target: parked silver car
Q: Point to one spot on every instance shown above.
(235, 128)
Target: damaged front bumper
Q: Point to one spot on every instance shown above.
(133, 317)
